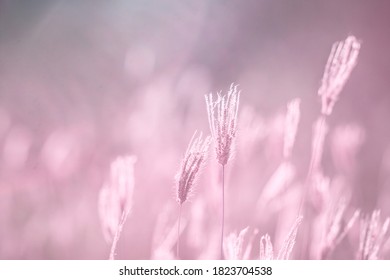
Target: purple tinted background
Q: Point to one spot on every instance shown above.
(81, 83)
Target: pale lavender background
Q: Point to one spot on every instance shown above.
(82, 82)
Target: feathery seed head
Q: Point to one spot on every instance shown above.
(341, 61)
(289, 242)
(193, 161)
(115, 199)
(238, 246)
(337, 226)
(291, 126)
(266, 248)
(373, 235)
(222, 115)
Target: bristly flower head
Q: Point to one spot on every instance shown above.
(222, 115)
(291, 126)
(342, 59)
(115, 200)
(373, 235)
(336, 227)
(235, 246)
(266, 248)
(193, 161)
(289, 242)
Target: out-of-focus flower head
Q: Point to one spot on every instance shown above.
(116, 196)
(342, 59)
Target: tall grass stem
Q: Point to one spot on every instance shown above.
(223, 208)
(178, 234)
(117, 235)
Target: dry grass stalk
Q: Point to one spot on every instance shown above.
(164, 238)
(336, 229)
(291, 126)
(223, 126)
(222, 115)
(116, 198)
(289, 242)
(342, 60)
(234, 245)
(192, 163)
(373, 235)
(266, 248)
(236, 248)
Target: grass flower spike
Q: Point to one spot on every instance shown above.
(291, 126)
(266, 248)
(373, 236)
(193, 161)
(222, 115)
(116, 199)
(342, 59)
(235, 246)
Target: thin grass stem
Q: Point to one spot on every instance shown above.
(223, 209)
(117, 235)
(178, 234)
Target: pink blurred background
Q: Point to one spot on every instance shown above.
(82, 83)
